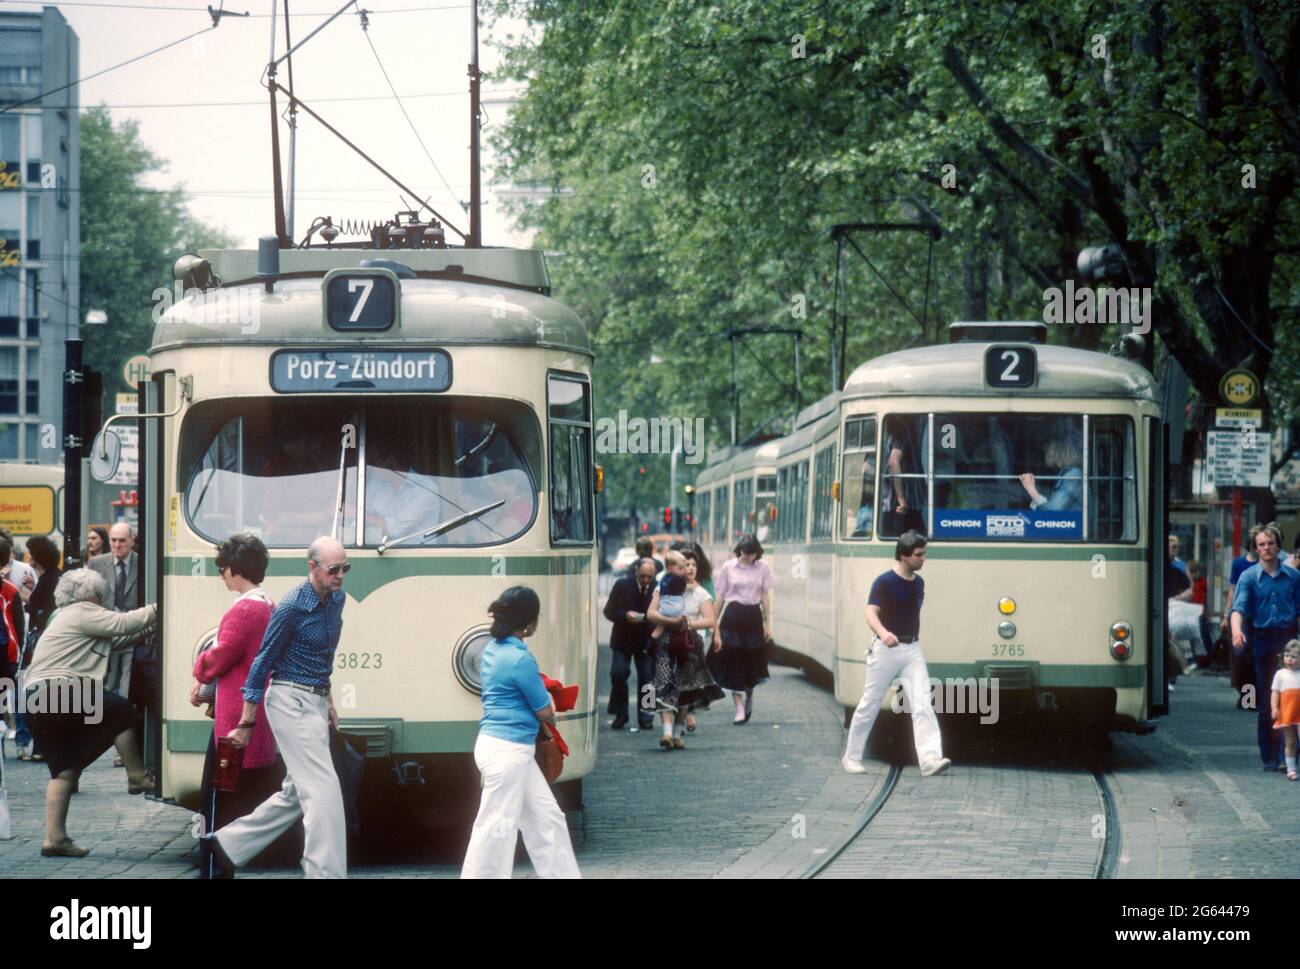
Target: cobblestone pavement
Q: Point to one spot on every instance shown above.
(768, 799)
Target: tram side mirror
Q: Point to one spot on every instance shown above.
(105, 454)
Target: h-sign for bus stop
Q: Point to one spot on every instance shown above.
(135, 370)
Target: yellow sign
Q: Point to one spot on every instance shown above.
(1239, 388)
(27, 509)
(10, 179)
(135, 370)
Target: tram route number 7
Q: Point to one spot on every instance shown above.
(1010, 366)
(360, 301)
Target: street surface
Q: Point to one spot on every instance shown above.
(768, 800)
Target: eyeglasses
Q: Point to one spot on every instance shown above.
(336, 569)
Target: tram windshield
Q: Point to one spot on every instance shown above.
(1017, 477)
(273, 467)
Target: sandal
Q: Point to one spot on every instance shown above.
(25, 757)
(67, 848)
(666, 743)
(37, 758)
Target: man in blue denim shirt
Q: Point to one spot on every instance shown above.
(1268, 599)
(297, 653)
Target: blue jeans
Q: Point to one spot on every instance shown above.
(1265, 652)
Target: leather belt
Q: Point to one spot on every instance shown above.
(299, 686)
(907, 640)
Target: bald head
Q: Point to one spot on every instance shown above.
(120, 539)
(327, 563)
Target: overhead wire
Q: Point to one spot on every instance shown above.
(400, 105)
(82, 80)
(252, 16)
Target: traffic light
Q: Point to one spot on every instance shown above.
(668, 518)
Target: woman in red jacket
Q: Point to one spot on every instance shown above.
(241, 560)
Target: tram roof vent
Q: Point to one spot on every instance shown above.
(997, 332)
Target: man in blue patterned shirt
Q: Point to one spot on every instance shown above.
(297, 654)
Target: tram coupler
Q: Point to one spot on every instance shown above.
(409, 772)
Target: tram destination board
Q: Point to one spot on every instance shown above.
(1012, 367)
(347, 371)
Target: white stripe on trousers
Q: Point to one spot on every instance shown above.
(515, 798)
(300, 722)
(884, 664)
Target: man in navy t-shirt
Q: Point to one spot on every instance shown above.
(894, 614)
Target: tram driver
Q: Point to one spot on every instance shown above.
(405, 500)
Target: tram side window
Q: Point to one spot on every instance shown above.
(706, 498)
(569, 401)
(720, 509)
(823, 502)
(764, 501)
(1112, 480)
(859, 477)
(742, 508)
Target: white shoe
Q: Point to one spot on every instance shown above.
(852, 766)
(935, 766)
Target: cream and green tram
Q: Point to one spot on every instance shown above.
(1055, 596)
(737, 496)
(432, 409)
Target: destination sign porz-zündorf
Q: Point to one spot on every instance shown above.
(317, 371)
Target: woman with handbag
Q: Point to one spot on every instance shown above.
(738, 661)
(516, 796)
(219, 675)
(40, 607)
(682, 678)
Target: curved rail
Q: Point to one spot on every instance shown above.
(877, 802)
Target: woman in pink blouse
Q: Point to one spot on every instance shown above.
(242, 561)
(738, 661)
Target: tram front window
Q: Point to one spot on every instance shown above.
(1017, 477)
(272, 467)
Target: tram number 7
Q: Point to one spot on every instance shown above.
(366, 286)
(1006, 366)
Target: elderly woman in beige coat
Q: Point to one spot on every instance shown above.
(73, 718)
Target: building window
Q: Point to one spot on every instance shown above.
(33, 380)
(33, 295)
(9, 442)
(34, 226)
(33, 147)
(8, 304)
(33, 432)
(9, 381)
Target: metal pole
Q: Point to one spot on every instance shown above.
(672, 489)
(475, 239)
(835, 312)
(735, 395)
(798, 386)
(293, 126)
(73, 404)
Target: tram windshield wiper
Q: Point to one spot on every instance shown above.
(487, 439)
(443, 527)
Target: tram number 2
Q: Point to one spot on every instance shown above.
(1010, 366)
(1008, 649)
(359, 661)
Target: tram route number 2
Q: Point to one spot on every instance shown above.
(1010, 366)
(359, 661)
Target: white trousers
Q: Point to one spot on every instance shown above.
(516, 798)
(885, 664)
(300, 722)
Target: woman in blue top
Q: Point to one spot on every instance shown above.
(516, 797)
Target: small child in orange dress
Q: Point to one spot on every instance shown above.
(1286, 702)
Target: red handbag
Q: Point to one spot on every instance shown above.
(230, 761)
(551, 751)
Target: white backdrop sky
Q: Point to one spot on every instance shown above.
(222, 154)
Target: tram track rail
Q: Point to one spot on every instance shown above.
(1107, 856)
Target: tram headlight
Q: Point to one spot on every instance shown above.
(1006, 629)
(1006, 605)
(1121, 640)
(467, 660)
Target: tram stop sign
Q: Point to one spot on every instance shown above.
(135, 370)
(1239, 388)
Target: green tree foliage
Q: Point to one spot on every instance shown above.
(130, 236)
(708, 149)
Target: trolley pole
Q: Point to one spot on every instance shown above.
(475, 239)
(74, 387)
(735, 395)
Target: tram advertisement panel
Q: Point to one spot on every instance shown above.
(323, 371)
(1035, 525)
